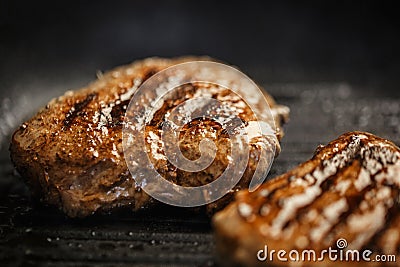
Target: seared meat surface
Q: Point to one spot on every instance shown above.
(71, 154)
(349, 190)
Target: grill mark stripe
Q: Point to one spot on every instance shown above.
(76, 110)
(391, 214)
(353, 203)
(328, 180)
(332, 179)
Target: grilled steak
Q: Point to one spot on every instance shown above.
(71, 154)
(346, 197)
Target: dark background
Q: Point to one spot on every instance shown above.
(47, 47)
(336, 64)
(53, 46)
(356, 41)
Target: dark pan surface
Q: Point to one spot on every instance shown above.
(36, 235)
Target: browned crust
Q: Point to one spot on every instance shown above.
(64, 156)
(353, 188)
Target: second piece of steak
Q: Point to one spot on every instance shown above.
(345, 197)
(71, 152)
